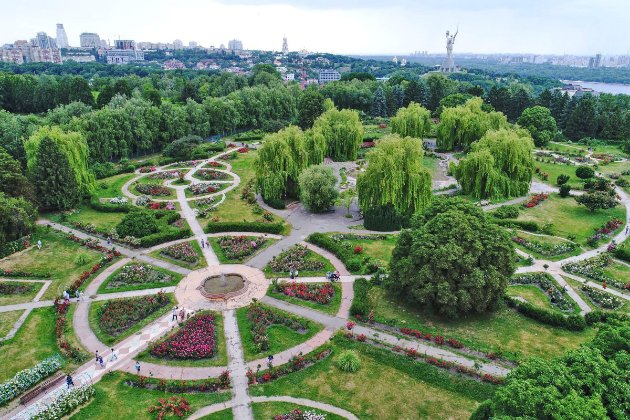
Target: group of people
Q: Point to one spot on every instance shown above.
(333, 276)
(205, 244)
(66, 296)
(293, 273)
(99, 359)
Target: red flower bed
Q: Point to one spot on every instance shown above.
(536, 199)
(117, 316)
(358, 249)
(147, 169)
(153, 189)
(210, 174)
(214, 164)
(320, 293)
(367, 144)
(237, 247)
(173, 406)
(243, 150)
(437, 339)
(195, 340)
(610, 227)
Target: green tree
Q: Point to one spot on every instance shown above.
(452, 260)
(562, 179)
(17, 218)
(453, 100)
(500, 165)
(395, 177)
(346, 198)
(379, 104)
(343, 132)
(540, 124)
(582, 120)
(584, 172)
(53, 177)
(12, 182)
(310, 106)
(318, 190)
(182, 149)
(137, 223)
(413, 121)
(597, 200)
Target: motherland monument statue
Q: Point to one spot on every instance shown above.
(449, 64)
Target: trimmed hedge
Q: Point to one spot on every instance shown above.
(556, 319)
(166, 236)
(96, 204)
(276, 204)
(360, 304)
(597, 316)
(523, 224)
(215, 227)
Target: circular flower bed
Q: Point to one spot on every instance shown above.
(166, 175)
(199, 189)
(134, 274)
(210, 174)
(196, 339)
(295, 258)
(153, 189)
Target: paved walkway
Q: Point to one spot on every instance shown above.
(241, 407)
(20, 321)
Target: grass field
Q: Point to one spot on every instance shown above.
(331, 308)
(201, 262)
(220, 359)
(104, 288)
(115, 400)
(556, 169)
(111, 187)
(379, 249)
(618, 271)
(58, 256)
(569, 218)
(387, 386)
(531, 294)
(504, 329)
(7, 320)
(103, 221)
(105, 338)
(267, 410)
(22, 297)
(280, 337)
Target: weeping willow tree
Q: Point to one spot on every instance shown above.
(342, 131)
(280, 161)
(315, 146)
(394, 182)
(72, 144)
(413, 121)
(500, 165)
(462, 125)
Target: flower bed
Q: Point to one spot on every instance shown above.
(295, 258)
(61, 312)
(161, 205)
(542, 248)
(602, 299)
(19, 273)
(146, 169)
(195, 340)
(437, 339)
(170, 407)
(238, 247)
(605, 232)
(557, 297)
(153, 189)
(298, 414)
(64, 403)
(119, 201)
(182, 252)
(320, 293)
(199, 189)
(296, 363)
(535, 199)
(182, 387)
(593, 269)
(134, 274)
(26, 378)
(262, 317)
(214, 164)
(117, 316)
(166, 175)
(16, 288)
(210, 174)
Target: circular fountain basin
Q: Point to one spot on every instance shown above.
(223, 284)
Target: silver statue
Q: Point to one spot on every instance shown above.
(449, 64)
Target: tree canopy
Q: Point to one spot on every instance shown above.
(395, 177)
(597, 200)
(500, 165)
(540, 124)
(343, 132)
(452, 260)
(412, 121)
(309, 107)
(318, 190)
(17, 218)
(465, 124)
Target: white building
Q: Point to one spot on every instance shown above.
(328, 75)
(235, 45)
(90, 40)
(178, 44)
(62, 38)
(119, 56)
(288, 77)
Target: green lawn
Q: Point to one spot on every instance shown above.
(431, 164)
(280, 337)
(104, 288)
(504, 329)
(220, 359)
(7, 320)
(310, 256)
(267, 410)
(105, 338)
(58, 256)
(21, 297)
(214, 242)
(387, 386)
(380, 249)
(618, 271)
(579, 149)
(201, 262)
(569, 218)
(331, 308)
(555, 169)
(531, 294)
(614, 167)
(115, 400)
(550, 240)
(104, 221)
(111, 187)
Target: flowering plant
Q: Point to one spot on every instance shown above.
(64, 403)
(133, 274)
(118, 315)
(26, 378)
(298, 414)
(557, 296)
(196, 339)
(262, 317)
(153, 189)
(545, 249)
(536, 199)
(183, 252)
(203, 188)
(166, 175)
(173, 406)
(603, 299)
(237, 247)
(120, 201)
(146, 169)
(321, 293)
(296, 258)
(210, 174)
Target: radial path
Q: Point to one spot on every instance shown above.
(236, 365)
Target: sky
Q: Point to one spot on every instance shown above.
(396, 27)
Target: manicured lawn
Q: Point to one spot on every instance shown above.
(569, 218)
(531, 294)
(504, 329)
(174, 279)
(104, 221)
(7, 320)
(34, 342)
(311, 256)
(431, 164)
(201, 262)
(387, 386)
(111, 187)
(115, 400)
(223, 259)
(618, 271)
(11, 299)
(220, 415)
(267, 410)
(555, 169)
(220, 359)
(379, 249)
(280, 337)
(330, 308)
(549, 240)
(568, 148)
(614, 167)
(105, 338)
(58, 256)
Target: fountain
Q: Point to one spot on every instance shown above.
(223, 286)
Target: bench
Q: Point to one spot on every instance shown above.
(41, 387)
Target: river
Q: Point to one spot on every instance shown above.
(614, 88)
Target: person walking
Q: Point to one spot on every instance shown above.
(138, 367)
(113, 356)
(174, 318)
(39, 244)
(77, 295)
(69, 381)
(207, 243)
(296, 273)
(100, 362)
(203, 244)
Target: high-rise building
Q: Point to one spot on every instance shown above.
(328, 75)
(178, 44)
(193, 44)
(90, 40)
(62, 38)
(235, 45)
(42, 40)
(285, 46)
(125, 44)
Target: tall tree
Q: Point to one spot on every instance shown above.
(310, 106)
(582, 120)
(12, 182)
(318, 190)
(540, 124)
(413, 121)
(343, 132)
(17, 218)
(379, 104)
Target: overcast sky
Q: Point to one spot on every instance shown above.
(338, 26)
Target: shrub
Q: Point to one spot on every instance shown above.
(172, 407)
(522, 224)
(348, 361)
(483, 411)
(182, 148)
(214, 227)
(565, 190)
(598, 316)
(360, 304)
(26, 378)
(65, 403)
(384, 219)
(562, 179)
(96, 204)
(275, 203)
(318, 192)
(584, 172)
(171, 234)
(506, 212)
(556, 319)
(137, 223)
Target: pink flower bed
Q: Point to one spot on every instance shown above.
(320, 293)
(536, 199)
(195, 340)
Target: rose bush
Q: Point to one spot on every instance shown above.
(153, 189)
(320, 293)
(206, 188)
(196, 339)
(295, 258)
(64, 403)
(210, 174)
(183, 252)
(134, 274)
(118, 315)
(237, 247)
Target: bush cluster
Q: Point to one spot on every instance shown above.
(360, 304)
(556, 319)
(214, 227)
(506, 212)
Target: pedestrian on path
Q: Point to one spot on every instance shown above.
(39, 244)
(113, 356)
(174, 318)
(296, 273)
(138, 367)
(77, 295)
(109, 240)
(207, 243)
(627, 229)
(100, 362)
(69, 381)
(182, 314)
(203, 244)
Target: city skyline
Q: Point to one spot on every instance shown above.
(403, 26)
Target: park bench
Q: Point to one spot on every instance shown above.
(41, 387)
